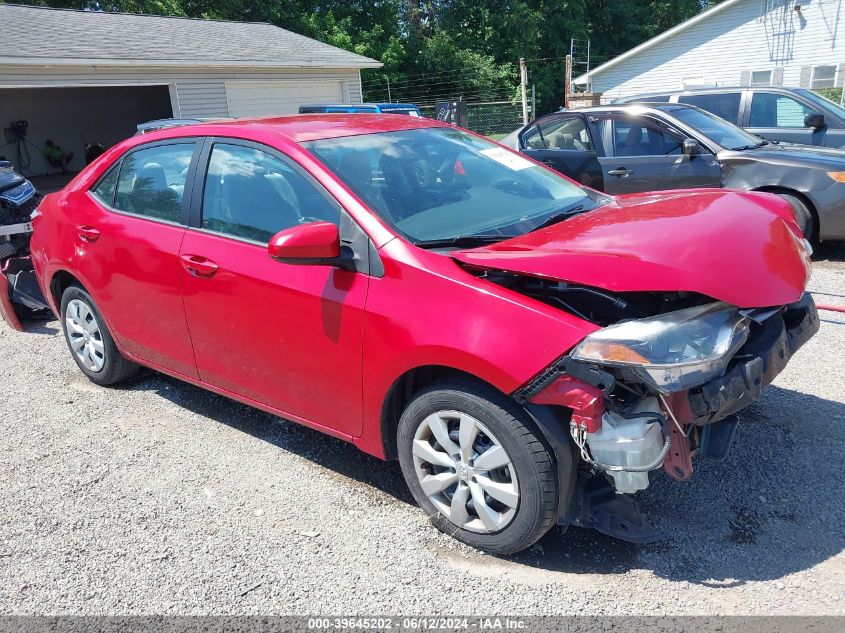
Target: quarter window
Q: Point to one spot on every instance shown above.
(824, 77)
(773, 110)
(152, 181)
(104, 191)
(252, 195)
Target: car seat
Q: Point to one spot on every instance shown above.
(251, 207)
(633, 142)
(150, 194)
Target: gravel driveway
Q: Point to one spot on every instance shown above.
(158, 497)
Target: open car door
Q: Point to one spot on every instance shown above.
(563, 142)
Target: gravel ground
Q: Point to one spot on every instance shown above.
(160, 498)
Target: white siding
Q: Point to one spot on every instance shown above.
(736, 40)
(197, 93)
(265, 98)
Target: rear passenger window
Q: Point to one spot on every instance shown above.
(723, 104)
(152, 181)
(250, 194)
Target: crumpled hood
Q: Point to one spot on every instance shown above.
(735, 247)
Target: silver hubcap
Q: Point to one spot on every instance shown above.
(465, 472)
(84, 335)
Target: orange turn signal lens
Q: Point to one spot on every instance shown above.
(838, 176)
(611, 352)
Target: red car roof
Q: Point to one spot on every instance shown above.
(307, 127)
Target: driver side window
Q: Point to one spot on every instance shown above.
(639, 137)
(252, 195)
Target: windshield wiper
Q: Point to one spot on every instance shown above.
(559, 216)
(755, 146)
(464, 241)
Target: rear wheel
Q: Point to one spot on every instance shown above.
(802, 214)
(475, 465)
(89, 340)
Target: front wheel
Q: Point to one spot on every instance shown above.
(802, 214)
(477, 467)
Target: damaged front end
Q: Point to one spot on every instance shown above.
(657, 385)
(20, 296)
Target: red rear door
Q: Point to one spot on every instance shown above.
(286, 336)
(127, 231)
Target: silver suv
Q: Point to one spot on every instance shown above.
(792, 115)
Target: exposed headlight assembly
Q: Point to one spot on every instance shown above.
(672, 351)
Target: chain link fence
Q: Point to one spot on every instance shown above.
(490, 118)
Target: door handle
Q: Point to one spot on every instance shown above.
(87, 233)
(621, 172)
(199, 266)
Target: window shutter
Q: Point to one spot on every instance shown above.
(840, 76)
(806, 76)
(745, 78)
(777, 76)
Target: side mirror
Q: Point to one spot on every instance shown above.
(315, 243)
(814, 120)
(691, 147)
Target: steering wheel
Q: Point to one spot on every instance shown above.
(422, 173)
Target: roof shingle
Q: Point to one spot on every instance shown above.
(32, 35)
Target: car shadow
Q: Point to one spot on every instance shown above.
(46, 326)
(829, 251)
(770, 509)
(324, 450)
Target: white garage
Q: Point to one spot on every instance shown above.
(78, 77)
(257, 98)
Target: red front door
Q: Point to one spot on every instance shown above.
(286, 336)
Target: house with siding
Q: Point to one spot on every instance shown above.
(79, 77)
(796, 43)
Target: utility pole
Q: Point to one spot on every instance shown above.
(523, 89)
(389, 100)
(533, 101)
(567, 81)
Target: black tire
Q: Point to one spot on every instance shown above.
(531, 459)
(802, 214)
(115, 367)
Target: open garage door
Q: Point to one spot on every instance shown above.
(72, 117)
(265, 98)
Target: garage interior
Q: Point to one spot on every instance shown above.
(72, 117)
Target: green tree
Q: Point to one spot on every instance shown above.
(437, 48)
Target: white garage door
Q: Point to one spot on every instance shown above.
(263, 98)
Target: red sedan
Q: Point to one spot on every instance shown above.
(523, 345)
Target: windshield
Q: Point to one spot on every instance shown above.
(716, 129)
(441, 183)
(824, 103)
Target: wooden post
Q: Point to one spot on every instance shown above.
(567, 81)
(523, 89)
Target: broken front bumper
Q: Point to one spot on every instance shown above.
(757, 364)
(19, 291)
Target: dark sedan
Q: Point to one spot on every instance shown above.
(648, 147)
